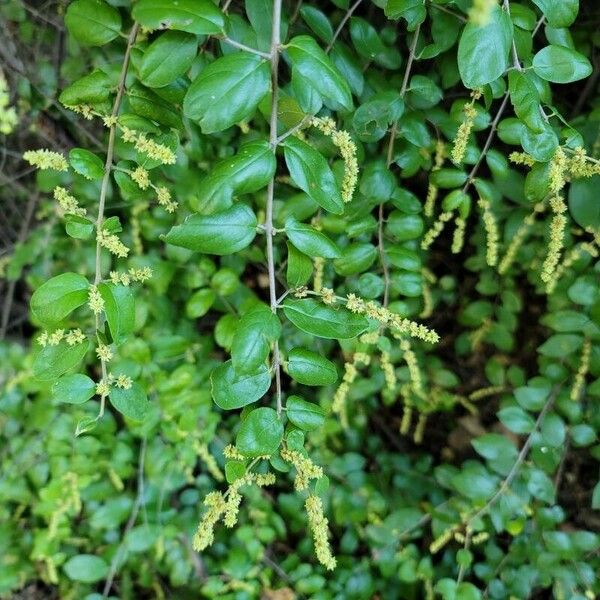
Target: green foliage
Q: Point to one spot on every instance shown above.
(315, 281)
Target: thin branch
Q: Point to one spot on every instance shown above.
(341, 25)
(241, 46)
(275, 48)
(105, 180)
(139, 500)
(390, 157)
(488, 142)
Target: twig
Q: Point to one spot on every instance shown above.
(105, 180)
(488, 142)
(241, 46)
(341, 25)
(275, 48)
(390, 156)
(139, 500)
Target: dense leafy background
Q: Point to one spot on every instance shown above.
(504, 449)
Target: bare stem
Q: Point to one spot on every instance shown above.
(245, 48)
(390, 157)
(275, 48)
(488, 142)
(111, 146)
(341, 25)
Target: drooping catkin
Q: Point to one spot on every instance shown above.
(584, 365)
(464, 130)
(319, 526)
(347, 148)
(557, 232)
(570, 258)
(432, 190)
(519, 238)
(491, 232)
(435, 230)
(458, 238)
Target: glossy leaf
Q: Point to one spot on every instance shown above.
(227, 91)
(168, 56)
(132, 403)
(311, 173)
(93, 22)
(310, 368)
(260, 433)
(324, 321)
(311, 62)
(119, 306)
(193, 16)
(305, 415)
(224, 232)
(310, 241)
(74, 389)
(559, 64)
(58, 297)
(231, 390)
(483, 51)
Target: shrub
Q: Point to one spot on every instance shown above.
(314, 301)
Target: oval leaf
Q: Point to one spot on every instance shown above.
(324, 321)
(310, 368)
(58, 297)
(225, 232)
(260, 433)
(231, 390)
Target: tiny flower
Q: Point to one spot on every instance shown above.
(104, 353)
(141, 177)
(46, 159)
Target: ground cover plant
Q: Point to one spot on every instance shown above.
(300, 299)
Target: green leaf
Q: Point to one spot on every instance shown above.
(583, 202)
(225, 232)
(168, 56)
(553, 430)
(227, 91)
(148, 104)
(251, 342)
(311, 62)
(91, 89)
(93, 22)
(78, 227)
(558, 13)
(86, 163)
(525, 99)
(119, 306)
(245, 173)
(305, 415)
(87, 568)
(310, 368)
(541, 486)
(371, 120)
(318, 22)
(199, 303)
(299, 267)
(324, 321)
(596, 497)
(532, 397)
(74, 389)
(260, 433)
(231, 390)
(493, 446)
(311, 173)
(194, 16)
(483, 51)
(310, 241)
(561, 345)
(355, 258)
(559, 64)
(413, 11)
(132, 403)
(58, 297)
(52, 361)
(516, 419)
